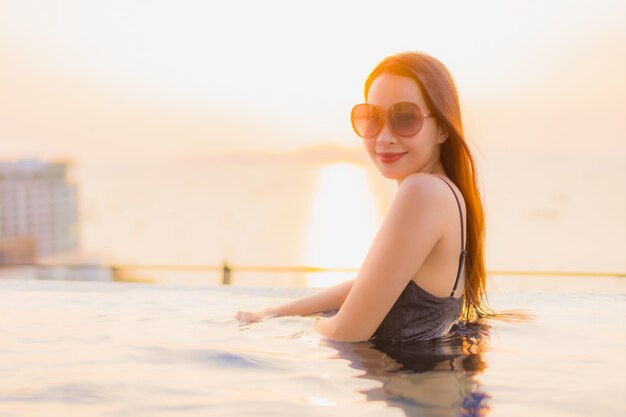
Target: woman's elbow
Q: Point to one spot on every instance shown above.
(349, 338)
(340, 332)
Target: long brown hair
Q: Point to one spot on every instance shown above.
(440, 93)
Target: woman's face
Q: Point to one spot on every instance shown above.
(420, 152)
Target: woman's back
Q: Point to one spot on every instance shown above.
(439, 270)
(418, 314)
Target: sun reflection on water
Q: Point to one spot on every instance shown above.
(343, 223)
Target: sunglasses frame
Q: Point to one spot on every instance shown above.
(385, 117)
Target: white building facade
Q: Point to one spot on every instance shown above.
(39, 201)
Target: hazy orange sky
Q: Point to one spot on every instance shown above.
(119, 86)
(134, 80)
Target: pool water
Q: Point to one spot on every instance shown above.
(121, 349)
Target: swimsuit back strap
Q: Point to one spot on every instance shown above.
(463, 251)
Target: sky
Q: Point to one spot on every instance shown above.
(158, 79)
(124, 86)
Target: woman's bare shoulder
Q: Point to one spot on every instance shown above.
(425, 184)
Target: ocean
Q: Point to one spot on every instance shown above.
(125, 349)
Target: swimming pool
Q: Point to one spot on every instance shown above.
(121, 349)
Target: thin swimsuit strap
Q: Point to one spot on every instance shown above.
(463, 251)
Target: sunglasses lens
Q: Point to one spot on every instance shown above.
(405, 118)
(365, 120)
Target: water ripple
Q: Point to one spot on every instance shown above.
(81, 393)
(209, 357)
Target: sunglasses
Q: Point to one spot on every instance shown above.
(404, 118)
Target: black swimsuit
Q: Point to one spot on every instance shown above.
(419, 315)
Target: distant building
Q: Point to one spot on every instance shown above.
(38, 210)
(18, 251)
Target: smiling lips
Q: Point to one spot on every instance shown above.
(388, 157)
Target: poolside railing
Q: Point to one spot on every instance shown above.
(227, 270)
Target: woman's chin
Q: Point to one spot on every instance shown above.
(390, 173)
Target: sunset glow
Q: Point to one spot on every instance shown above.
(343, 223)
(126, 89)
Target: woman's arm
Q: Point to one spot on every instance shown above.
(328, 299)
(414, 224)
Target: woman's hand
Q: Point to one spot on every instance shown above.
(251, 316)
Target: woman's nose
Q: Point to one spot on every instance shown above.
(385, 137)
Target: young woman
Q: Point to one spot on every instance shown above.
(425, 269)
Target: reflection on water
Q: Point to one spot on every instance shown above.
(426, 378)
(343, 221)
(260, 211)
